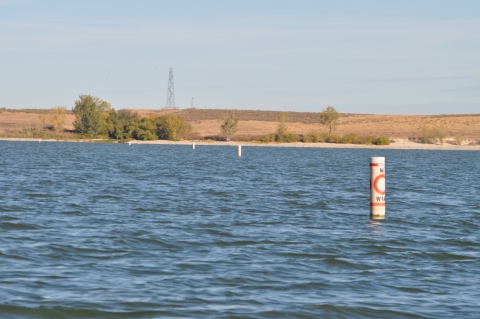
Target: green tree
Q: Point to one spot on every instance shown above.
(329, 117)
(169, 126)
(229, 127)
(127, 124)
(127, 115)
(145, 130)
(91, 115)
(122, 124)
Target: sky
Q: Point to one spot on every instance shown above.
(387, 57)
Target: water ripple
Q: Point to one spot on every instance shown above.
(111, 231)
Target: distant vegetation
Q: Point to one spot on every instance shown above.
(58, 116)
(91, 115)
(330, 117)
(282, 135)
(50, 124)
(229, 127)
(127, 124)
(96, 118)
(170, 127)
(459, 139)
(434, 134)
(350, 138)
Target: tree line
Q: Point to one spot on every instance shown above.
(96, 118)
(328, 117)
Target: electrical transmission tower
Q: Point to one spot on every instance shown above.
(170, 92)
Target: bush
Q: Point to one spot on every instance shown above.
(58, 116)
(331, 138)
(145, 130)
(315, 137)
(459, 139)
(291, 138)
(284, 138)
(246, 138)
(269, 138)
(123, 124)
(307, 138)
(127, 124)
(350, 138)
(169, 126)
(382, 140)
(370, 139)
(433, 134)
(213, 138)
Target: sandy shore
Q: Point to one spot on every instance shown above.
(401, 145)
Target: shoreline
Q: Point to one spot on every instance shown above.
(400, 145)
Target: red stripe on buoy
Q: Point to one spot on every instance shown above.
(377, 204)
(373, 164)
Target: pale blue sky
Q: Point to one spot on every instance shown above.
(392, 57)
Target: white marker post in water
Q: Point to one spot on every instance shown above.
(377, 188)
(239, 150)
(193, 146)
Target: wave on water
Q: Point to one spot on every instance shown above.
(149, 231)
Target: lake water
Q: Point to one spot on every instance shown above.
(150, 231)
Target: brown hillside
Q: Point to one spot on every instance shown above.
(207, 122)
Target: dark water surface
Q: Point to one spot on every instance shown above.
(150, 231)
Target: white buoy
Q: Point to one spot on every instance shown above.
(193, 146)
(239, 150)
(39, 140)
(129, 143)
(377, 188)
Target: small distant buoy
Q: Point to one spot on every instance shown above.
(129, 143)
(193, 146)
(39, 140)
(239, 150)
(377, 188)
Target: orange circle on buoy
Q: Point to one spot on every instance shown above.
(375, 184)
